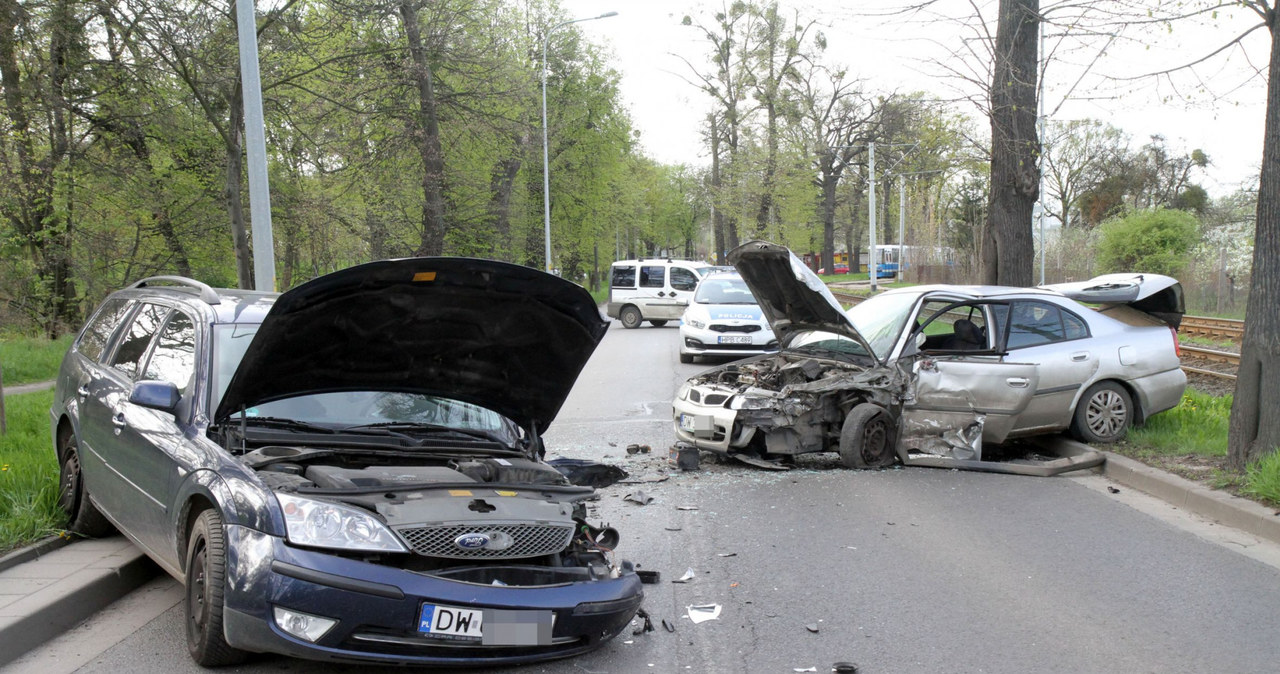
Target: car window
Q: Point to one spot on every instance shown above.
(948, 326)
(1034, 323)
(94, 338)
(653, 276)
(174, 358)
(683, 279)
(880, 319)
(1074, 326)
(724, 291)
(133, 347)
(624, 276)
(230, 341)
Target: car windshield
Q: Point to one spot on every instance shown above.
(354, 408)
(730, 290)
(880, 319)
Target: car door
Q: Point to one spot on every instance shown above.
(119, 428)
(681, 284)
(651, 291)
(960, 376)
(1057, 342)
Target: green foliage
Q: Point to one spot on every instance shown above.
(1198, 425)
(28, 473)
(1155, 241)
(30, 359)
(1262, 479)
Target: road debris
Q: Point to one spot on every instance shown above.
(703, 613)
(648, 577)
(686, 507)
(668, 625)
(804, 669)
(646, 627)
(844, 668)
(639, 497)
(1113, 490)
(682, 456)
(639, 449)
(726, 554)
(588, 473)
(688, 576)
(812, 627)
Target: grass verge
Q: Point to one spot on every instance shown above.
(1198, 425)
(1262, 479)
(28, 473)
(30, 359)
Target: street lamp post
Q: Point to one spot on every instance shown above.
(546, 164)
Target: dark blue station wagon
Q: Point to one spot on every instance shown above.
(351, 470)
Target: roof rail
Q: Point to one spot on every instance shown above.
(206, 293)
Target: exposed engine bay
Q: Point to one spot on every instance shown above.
(495, 521)
(788, 404)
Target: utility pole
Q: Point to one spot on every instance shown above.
(871, 208)
(264, 255)
(902, 222)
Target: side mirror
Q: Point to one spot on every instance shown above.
(156, 395)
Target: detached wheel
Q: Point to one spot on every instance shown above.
(657, 323)
(866, 439)
(73, 496)
(206, 583)
(1104, 413)
(630, 317)
(686, 358)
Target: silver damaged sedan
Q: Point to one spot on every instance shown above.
(939, 375)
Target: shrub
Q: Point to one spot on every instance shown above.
(1155, 241)
(1262, 479)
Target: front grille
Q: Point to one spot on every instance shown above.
(716, 399)
(528, 540)
(717, 327)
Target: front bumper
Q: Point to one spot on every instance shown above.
(708, 426)
(707, 342)
(377, 608)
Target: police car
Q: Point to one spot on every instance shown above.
(724, 319)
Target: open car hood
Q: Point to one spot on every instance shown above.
(1154, 294)
(791, 296)
(502, 336)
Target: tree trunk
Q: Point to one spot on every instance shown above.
(235, 202)
(1254, 430)
(502, 182)
(830, 178)
(1015, 174)
(427, 136)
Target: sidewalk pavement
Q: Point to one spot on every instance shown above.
(50, 587)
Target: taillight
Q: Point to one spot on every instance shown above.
(1177, 348)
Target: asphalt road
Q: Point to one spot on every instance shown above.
(906, 570)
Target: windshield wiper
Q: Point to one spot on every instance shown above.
(288, 424)
(394, 426)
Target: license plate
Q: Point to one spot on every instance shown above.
(491, 627)
(451, 622)
(686, 422)
(732, 339)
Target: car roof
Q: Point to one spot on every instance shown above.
(227, 305)
(977, 291)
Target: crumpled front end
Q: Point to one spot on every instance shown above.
(782, 405)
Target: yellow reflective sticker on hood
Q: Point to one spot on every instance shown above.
(460, 492)
(424, 276)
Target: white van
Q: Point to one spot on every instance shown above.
(653, 289)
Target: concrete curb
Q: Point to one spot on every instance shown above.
(1221, 507)
(53, 610)
(41, 547)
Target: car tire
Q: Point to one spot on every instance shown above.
(83, 517)
(657, 323)
(206, 584)
(1103, 414)
(630, 317)
(686, 358)
(867, 438)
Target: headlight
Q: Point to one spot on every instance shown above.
(742, 402)
(328, 525)
(695, 323)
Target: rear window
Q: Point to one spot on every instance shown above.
(94, 338)
(624, 276)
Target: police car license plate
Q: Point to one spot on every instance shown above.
(733, 339)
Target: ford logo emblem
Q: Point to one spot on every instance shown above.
(471, 541)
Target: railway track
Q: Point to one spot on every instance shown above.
(1224, 328)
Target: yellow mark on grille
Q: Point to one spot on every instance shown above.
(460, 492)
(424, 276)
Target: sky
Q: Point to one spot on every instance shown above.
(1225, 120)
